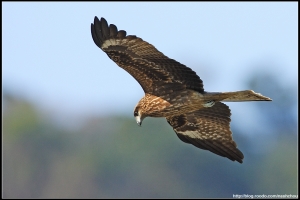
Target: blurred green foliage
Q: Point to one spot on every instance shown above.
(114, 158)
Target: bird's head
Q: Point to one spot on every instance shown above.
(138, 115)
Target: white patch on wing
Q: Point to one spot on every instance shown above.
(209, 104)
(108, 43)
(193, 134)
(113, 42)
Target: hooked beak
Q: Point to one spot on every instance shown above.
(138, 120)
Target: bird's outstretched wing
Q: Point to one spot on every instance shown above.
(155, 72)
(208, 129)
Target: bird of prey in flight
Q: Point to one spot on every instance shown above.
(174, 91)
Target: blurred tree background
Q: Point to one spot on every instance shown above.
(111, 157)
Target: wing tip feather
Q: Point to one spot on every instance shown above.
(101, 32)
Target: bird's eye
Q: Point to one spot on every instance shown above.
(135, 113)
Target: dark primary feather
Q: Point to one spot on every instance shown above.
(208, 129)
(151, 68)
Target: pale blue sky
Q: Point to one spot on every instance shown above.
(50, 58)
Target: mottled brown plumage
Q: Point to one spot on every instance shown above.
(174, 91)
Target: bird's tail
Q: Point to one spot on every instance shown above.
(246, 95)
